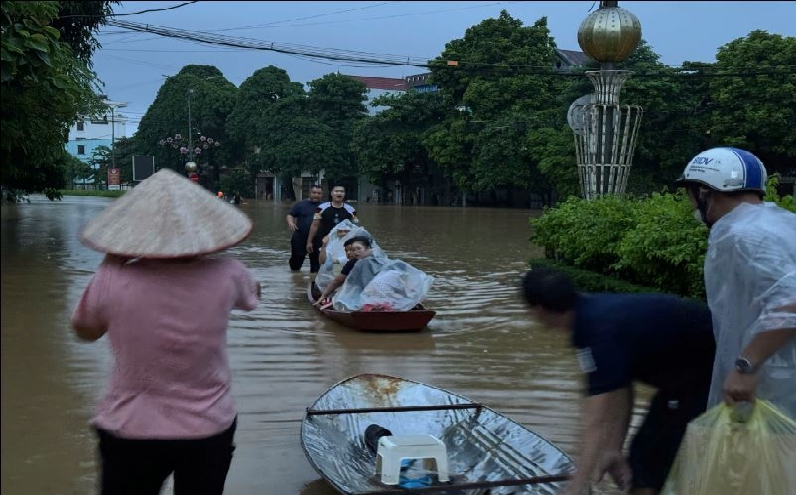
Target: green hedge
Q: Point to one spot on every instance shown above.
(89, 192)
(652, 242)
(589, 281)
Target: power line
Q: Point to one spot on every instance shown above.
(401, 60)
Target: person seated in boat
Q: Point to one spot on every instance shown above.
(333, 248)
(334, 254)
(398, 286)
(661, 340)
(360, 248)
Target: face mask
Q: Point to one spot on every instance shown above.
(698, 217)
(701, 213)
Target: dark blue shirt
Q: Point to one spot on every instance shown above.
(303, 211)
(657, 339)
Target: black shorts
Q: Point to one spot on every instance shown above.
(655, 445)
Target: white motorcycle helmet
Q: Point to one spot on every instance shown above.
(726, 170)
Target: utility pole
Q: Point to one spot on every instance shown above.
(114, 105)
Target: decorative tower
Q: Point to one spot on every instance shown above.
(605, 134)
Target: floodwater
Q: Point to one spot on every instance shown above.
(481, 344)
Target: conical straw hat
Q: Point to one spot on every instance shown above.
(166, 216)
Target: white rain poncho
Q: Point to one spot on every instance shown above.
(750, 276)
(335, 251)
(377, 283)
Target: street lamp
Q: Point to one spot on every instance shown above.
(190, 165)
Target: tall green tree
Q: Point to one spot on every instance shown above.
(338, 102)
(210, 97)
(249, 123)
(500, 75)
(45, 83)
(389, 146)
(755, 107)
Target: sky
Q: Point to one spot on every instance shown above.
(133, 65)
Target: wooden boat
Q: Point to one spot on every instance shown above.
(413, 320)
(487, 452)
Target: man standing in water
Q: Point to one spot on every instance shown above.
(299, 220)
(656, 339)
(326, 216)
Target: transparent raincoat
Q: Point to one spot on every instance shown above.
(377, 283)
(750, 278)
(335, 251)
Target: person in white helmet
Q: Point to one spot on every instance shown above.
(750, 278)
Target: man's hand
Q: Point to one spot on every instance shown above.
(310, 247)
(292, 227)
(616, 466)
(739, 387)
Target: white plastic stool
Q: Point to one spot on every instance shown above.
(393, 449)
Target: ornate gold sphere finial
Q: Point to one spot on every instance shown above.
(609, 34)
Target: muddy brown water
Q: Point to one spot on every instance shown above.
(482, 343)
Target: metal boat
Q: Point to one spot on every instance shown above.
(487, 452)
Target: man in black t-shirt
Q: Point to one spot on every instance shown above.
(326, 216)
(299, 220)
(657, 339)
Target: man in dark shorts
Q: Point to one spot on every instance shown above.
(326, 216)
(299, 220)
(657, 339)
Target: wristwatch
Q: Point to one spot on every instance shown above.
(744, 366)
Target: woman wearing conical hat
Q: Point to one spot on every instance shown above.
(165, 307)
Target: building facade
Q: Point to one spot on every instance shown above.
(89, 133)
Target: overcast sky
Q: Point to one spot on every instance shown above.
(133, 65)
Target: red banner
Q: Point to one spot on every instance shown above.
(114, 177)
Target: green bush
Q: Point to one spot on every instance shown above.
(584, 233)
(90, 192)
(666, 248)
(589, 281)
(653, 241)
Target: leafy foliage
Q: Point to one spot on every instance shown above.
(651, 241)
(237, 180)
(45, 83)
(202, 92)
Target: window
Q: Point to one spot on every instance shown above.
(81, 149)
(81, 126)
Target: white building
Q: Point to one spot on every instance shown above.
(87, 134)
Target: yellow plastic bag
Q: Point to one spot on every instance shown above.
(728, 452)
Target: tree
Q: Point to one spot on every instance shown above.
(249, 123)
(100, 163)
(755, 108)
(389, 146)
(76, 170)
(210, 97)
(45, 82)
(500, 76)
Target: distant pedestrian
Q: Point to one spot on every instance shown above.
(168, 408)
(299, 220)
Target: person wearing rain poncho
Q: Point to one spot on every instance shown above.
(372, 282)
(333, 254)
(750, 278)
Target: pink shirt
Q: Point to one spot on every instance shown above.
(167, 324)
